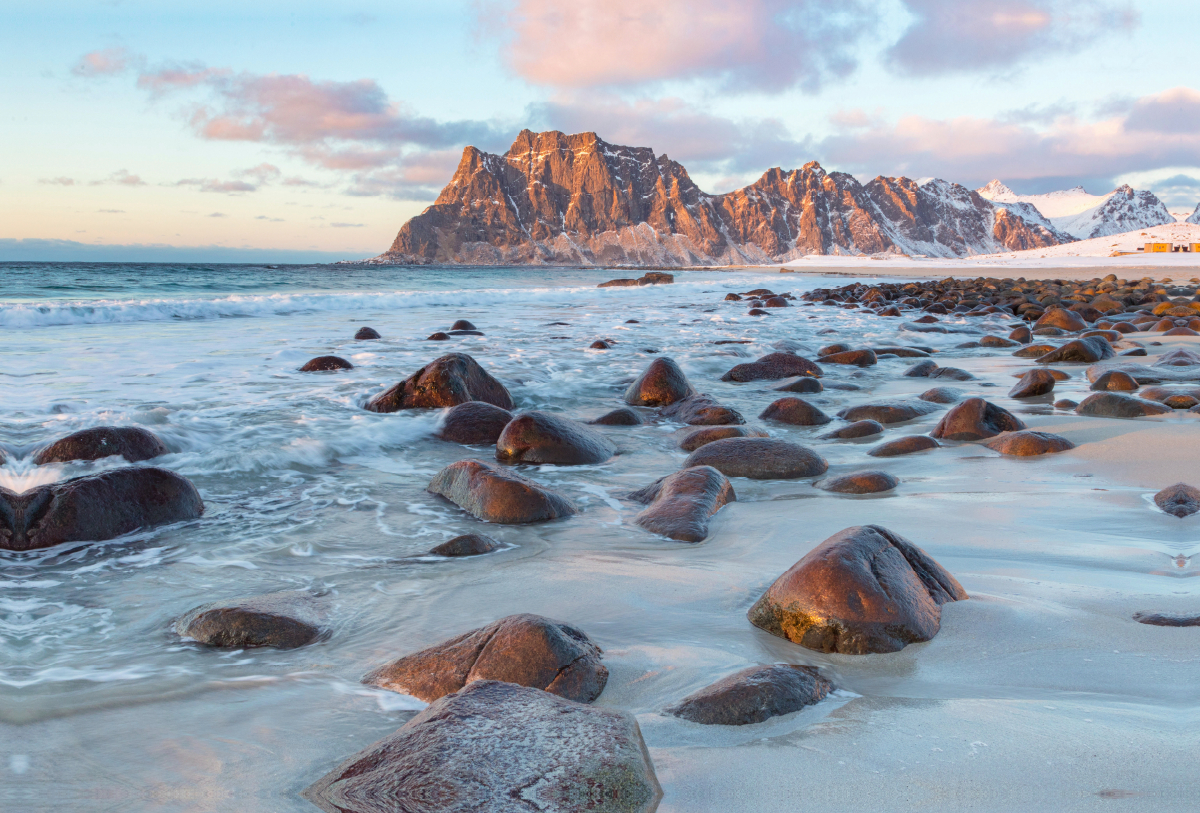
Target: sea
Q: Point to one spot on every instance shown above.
(1039, 693)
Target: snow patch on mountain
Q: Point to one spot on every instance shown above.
(1194, 217)
(1085, 216)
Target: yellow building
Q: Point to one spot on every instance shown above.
(1158, 247)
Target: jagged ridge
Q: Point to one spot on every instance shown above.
(576, 199)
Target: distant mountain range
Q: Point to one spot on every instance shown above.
(578, 200)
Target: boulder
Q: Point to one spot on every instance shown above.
(1065, 403)
(599, 344)
(498, 495)
(661, 384)
(130, 442)
(758, 459)
(1115, 381)
(1188, 402)
(1034, 351)
(1028, 443)
(95, 508)
(445, 382)
(462, 324)
(900, 352)
(976, 419)
(772, 367)
(326, 364)
(1088, 351)
(921, 369)
(438, 337)
(539, 437)
(696, 438)
(794, 411)
(888, 411)
(908, 445)
(701, 410)
(952, 374)
(860, 482)
(619, 283)
(473, 422)
(365, 333)
(1021, 335)
(284, 620)
(753, 695)
(1062, 319)
(998, 341)
(1033, 384)
(858, 429)
(622, 416)
(525, 649)
(859, 358)
(656, 278)
(466, 545)
(1119, 405)
(862, 590)
(1179, 500)
(1161, 620)
(943, 395)
(804, 385)
(499, 748)
(680, 505)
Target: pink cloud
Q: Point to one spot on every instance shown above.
(61, 180)
(219, 186)
(106, 62)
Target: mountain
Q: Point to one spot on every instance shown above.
(1085, 216)
(1195, 216)
(576, 199)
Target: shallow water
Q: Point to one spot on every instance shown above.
(1040, 691)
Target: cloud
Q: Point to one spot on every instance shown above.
(121, 177)
(33, 249)
(111, 211)
(219, 186)
(270, 219)
(759, 44)
(1174, 111)
(964, 35)
(261, 174)
(218, 214)
(61, 180)
(105, 62)
(347, 225)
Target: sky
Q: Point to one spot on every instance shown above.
(304, 131)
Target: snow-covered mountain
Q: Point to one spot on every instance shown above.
(1085, 216)
(1194, 217)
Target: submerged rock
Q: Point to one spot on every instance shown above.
(284, 620)
(759, 459)
(325, 364)
(1161, 620)
(859, 358)
(130, 442)
(622, 416)
(473, 422)
(1061, 318)
(662, 383)
(701, 410)
(696, 438)
(753, 695)
(862, 590)
(466, 545)
(680, 505)
(772, 367)
(908, 445)
(1119, 405)
(805, 385)
(539, 437)
(1180, 500)
(858, 429)
(95, 508)
(888, 411)
(794, 411)
(529, 650)
(448, 381)
(922, 369)
(498, 495)
(1088, 350)
(943, 395)
(1028, 443)
(976, 419)
(365, 333)
(499, 748)
(462, 324)
(860, 482)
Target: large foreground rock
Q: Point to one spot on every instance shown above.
(285, 620)
(976, 419)
(701, 410)
(130, 442)
(753, 695)
(499, 748)
(661, 384)
(473, 422)
(888, 411)
(758, 459)
(529, 650)
(862, 590)
(95, 508)
(445, 382)
(539, 437)
(493, 494)
(1180, 500)
(772, 367)
(681, 504)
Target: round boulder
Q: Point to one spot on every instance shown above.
(858, 429)
(284, 620)
(1115, 381)
(1028, 443)
(976, 419)
(696, 438)
(908, 445)
(622, 416)
(466, 545)
(473, 422)
(858, 358)
(804, 385)
(753, 695)
(130, 442)
(325, 364)
(463, 324)
(1179, 500)
(365, 333)
(448, 381)
(498, 495)
(773, 366)
(860, 482)
(1119, 405)
(701, 410)
(943, 395)
(759, 459)
(680, 505)
(539, 437)
(796, 412)
(661, 384)
(1033, 384)
(888, 411)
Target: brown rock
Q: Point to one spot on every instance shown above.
(473, 422)
(794, 411)
(860, 482)
(1062, 319)
(859, 358)
(528, 650)
(1181, 402)
(284, 620)
(997, 341)
(1028, 443)
(1021, 335)
(448, 381)
(599, 344)
(908, 445)
(1119, 405)
(952, 374)
(130, 442)
(1161, 620)
(858, 429)
(888, 411)
(943, 395)
(1033, 384)
(922, 369)
(493, 494)
(622, 416)
(1034, 351)
(753, 695)
(462, 324)
(539, 437)
(661, 384)
(696, 438)
(325, 364)
(773, 366)
(438, 337)
(680, 505)
(701, 410)
(1088, 350)
(619, 283)
(804, 385)
(466, 545)
(758, 459)
(365, 333)
(1115, 380)
(862, 590)
(976, 419)
(1179, 500)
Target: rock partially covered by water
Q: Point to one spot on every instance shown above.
(753, 695)
(696, 438)
(794, 411)
(1162, 620)
(462, 324)
(859, 358)
(448, 381)
(622, 416)
(772, 367)
(943, 395)
(976, 419)
(862, 590)
(805, 385)
(95, 508)
(326, 364)
(908, 445)
(681, 504)
(922, 369)
(858, 429)
(365, 333)
(467, 545)
(539, 437)
(1033, 384)
(759, 459)
(525, 649)
(130, 442)
(1115, 381)
(860, 482)
(473, 422)
(888, 411)
(1180, 500)
(1088, 350)
(1061, 318)
(498, 495)
(662, 383)
(499, 748)
(701, 410)
(1028, 443)
(284, 620)
(1119, 405)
